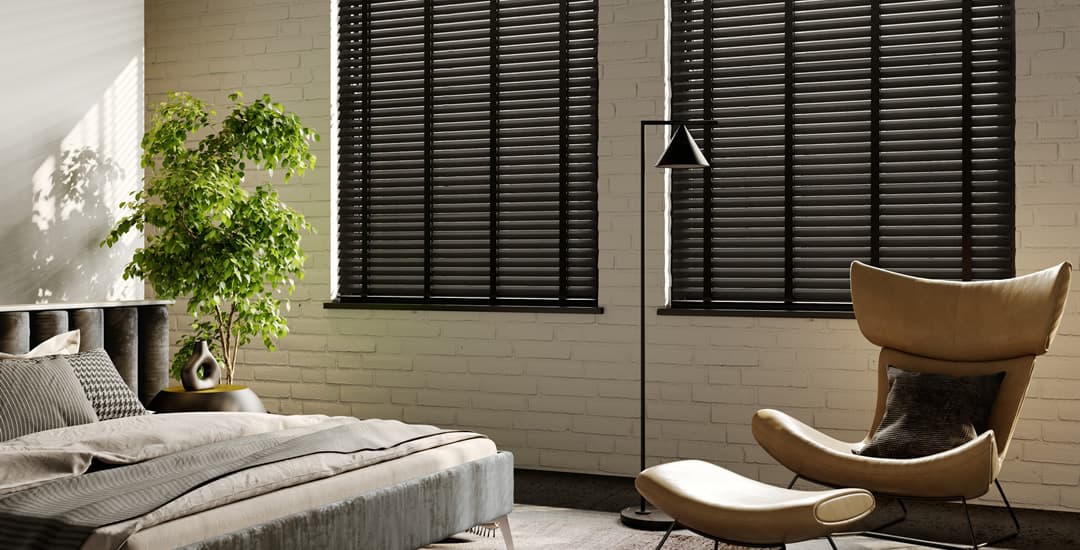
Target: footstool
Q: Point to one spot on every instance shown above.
(726, 507)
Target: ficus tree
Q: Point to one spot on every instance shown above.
(230, 247)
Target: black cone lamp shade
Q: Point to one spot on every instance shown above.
(682, 152)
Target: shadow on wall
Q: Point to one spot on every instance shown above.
(72, 216)
(73, 117)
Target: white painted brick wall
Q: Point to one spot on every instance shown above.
(560, 390)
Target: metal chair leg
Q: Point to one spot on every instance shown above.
(793, 480)
(715, 545)
(832, 543)
(666, 535)
(971, 526)
(975, 544)
(1012, 514)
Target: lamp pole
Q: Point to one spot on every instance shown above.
(681, 153)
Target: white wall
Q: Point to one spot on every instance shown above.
(71, 102)
(560, 390)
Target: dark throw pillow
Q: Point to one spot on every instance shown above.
(107, 391)
(929, 413)
(40, 393)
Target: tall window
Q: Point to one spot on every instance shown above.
(467, 152)
(847, 130)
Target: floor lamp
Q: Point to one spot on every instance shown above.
(681, 152)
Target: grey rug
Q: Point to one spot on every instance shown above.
(545, 528)
(548, 528)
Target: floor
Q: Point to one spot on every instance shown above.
(561, 498)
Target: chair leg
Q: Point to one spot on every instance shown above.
(975, 544)
(971, 526)
(504, 528)
(1012, 514)
(832, 543)
(793, 480)
(715, 545)
(666, 535)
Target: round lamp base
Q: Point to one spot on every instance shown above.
(651, 520)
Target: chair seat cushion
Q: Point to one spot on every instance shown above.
(724, 505)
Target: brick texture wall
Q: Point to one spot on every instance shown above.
(560, 390)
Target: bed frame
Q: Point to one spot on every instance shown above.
(135, 334)
(406, 516)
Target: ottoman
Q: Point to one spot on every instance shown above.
(727, 507)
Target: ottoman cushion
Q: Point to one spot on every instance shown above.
(722, 504)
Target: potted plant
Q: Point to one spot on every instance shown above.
(231, 248)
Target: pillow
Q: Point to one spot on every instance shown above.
(929, 413)
(107, 391)
(64, 343)
(40, 393)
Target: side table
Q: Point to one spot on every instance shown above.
(222, 398)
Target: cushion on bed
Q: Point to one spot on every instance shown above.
(107, 391)
(40, 393)
(64, 343)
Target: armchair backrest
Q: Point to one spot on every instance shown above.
(961, 329)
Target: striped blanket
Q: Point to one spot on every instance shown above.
(62, 512)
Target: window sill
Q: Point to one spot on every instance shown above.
(502, 308)
(801, 313)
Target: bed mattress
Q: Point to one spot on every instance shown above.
(283, 502)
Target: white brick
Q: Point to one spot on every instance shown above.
(543, 421)
(1056, 453)
(569, 461)
(365, 394)
(572, 405)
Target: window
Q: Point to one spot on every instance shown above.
(847, 130)
(467, 153)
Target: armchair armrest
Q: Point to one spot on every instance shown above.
(966, 471)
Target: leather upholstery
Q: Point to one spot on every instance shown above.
(961, 329)
(965, 471)
(968, 321)
(725, 505)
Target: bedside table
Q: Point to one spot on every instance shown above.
(222, 398)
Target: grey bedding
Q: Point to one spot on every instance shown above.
(48, 509)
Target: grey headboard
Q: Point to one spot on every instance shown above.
(135, 334)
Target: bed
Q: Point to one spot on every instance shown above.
(399, 486)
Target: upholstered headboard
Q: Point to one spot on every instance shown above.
(135, 334)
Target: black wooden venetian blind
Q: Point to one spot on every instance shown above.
(467, 165)
(848, 130)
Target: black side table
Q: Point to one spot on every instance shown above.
(222, 398)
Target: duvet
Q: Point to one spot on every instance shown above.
(92, 486)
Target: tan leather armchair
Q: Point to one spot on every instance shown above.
(944, 327)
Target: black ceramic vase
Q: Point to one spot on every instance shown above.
(211, 370)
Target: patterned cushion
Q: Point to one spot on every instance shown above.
(40, 393)
(928, 413)
(110, 395)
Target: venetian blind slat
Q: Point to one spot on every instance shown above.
(846, 130)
